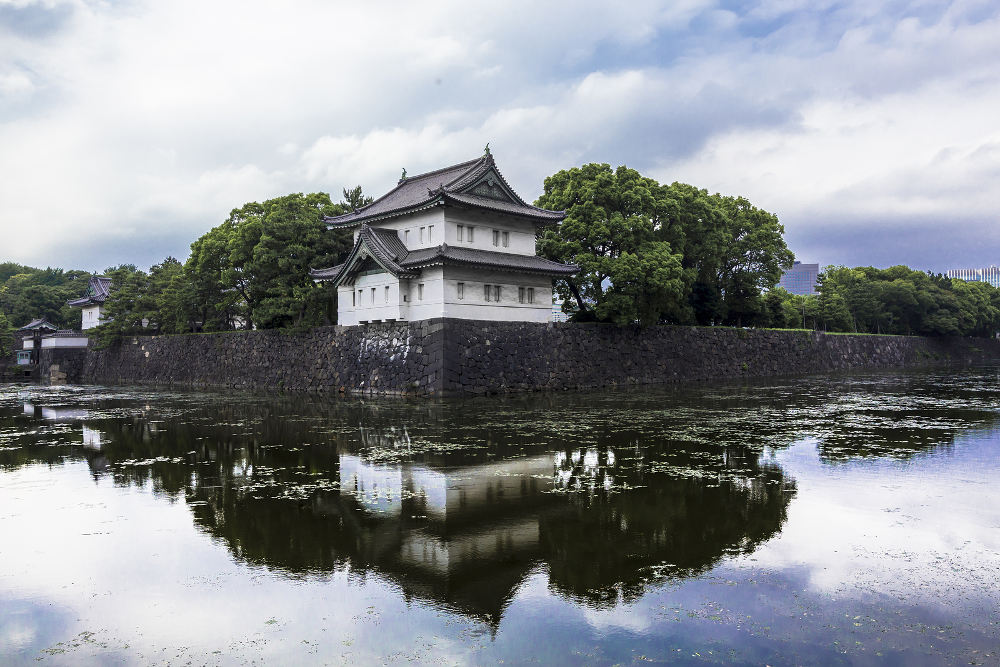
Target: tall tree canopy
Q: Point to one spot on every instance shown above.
(650, 252)
(253, 269)
(27, 293)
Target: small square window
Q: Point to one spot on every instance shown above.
(461, 290)
(461, 232)
(506, 239)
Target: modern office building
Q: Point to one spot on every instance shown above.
(800, 279)
(990, 274)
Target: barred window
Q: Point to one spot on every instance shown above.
(487, 292)
(496, 293)
(461, 232)
(461, 290)
(531, 295)
(506, 239)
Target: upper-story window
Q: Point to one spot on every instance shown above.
(468, 232)
(422, 229)
(373, 296)
(461, 233)
(461, 290)
(406, 237)
(387, 294)
(531, 295)
(487, 292)
(496, 237)
(505, 238)
(430, 233)
(354, 299)
(420, 291)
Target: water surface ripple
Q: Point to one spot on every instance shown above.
(831, 520)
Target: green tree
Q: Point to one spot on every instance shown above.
(730, 252)
(254, 267)
(31, 293)
(6, 337)
(355, 199)
(127, 308)
(626, 273)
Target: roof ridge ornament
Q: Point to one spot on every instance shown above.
(486, 151)
(402, 177)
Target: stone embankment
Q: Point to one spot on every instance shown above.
(457, 357)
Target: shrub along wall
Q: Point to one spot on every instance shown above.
(449, 357)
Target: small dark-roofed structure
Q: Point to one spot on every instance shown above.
(38, 324)
(98, 291)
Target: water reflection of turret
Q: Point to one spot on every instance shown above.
(458, 501)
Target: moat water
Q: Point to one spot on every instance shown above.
(818, 521)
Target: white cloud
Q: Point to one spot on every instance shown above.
(155, 119)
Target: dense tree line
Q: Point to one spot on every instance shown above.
(897, 300)
(27, 293)
(648, 253)
(660, 253)
(251, 271)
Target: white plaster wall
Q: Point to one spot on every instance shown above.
(64, 342)
(364, 309)
(432, 304)
(91, 317)
(377, 487)
(509, 309)
(522, 232)
(433, 217)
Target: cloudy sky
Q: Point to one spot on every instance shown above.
(129, 128)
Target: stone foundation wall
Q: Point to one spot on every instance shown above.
(456, 357)
(483, 357)
(399, 358)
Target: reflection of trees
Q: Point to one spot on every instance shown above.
(610, 492)
(606, 520)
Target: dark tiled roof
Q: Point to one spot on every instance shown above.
(98, 290)
(503, 261)
(40, 323)
(450, 185)
(384, 245)
(476, 201)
